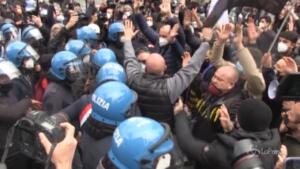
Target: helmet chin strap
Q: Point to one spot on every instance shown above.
(148, 163)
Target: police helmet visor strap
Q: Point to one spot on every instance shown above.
(167, 135)
(131, 112)
(164, 137)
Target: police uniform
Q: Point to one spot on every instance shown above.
(56, 97)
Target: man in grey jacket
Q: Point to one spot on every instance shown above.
(157, 93)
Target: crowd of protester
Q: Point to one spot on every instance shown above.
(146, 84)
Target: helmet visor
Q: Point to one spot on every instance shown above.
(8, 68)
(85, 50)
(33, 33)
(28, 51)
(74, 70)
(10, 33)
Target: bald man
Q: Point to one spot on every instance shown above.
(157, 93)
(156, 64)
(204, 100)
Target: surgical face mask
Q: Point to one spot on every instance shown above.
(44, 12)
(194, 24)
(213, 90)
(122, 39)
(108, 15)
(282, 47)
(3, 2)
(29, 63)
(239, 67)
(150, 23)
(60, 18)
(164, 161)
(126, 15)
(86, 59)
(163, 41)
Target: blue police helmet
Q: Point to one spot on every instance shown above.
(60, 62)
(17, 51)
(78, 47)
(111, 103)
(8, 68)
(114, 29)
(138, 142)
(111, 71)
(31, 32)
(103, 56)
(9, 31)
(86, 33)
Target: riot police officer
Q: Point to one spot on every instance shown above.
(110, 104)
(67, 79)
(139, 143)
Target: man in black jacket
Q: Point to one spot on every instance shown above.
(254, 118)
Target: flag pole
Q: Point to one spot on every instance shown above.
(280, 28)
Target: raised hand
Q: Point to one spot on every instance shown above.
(207, 34)
(281, 157)
(252, 33)
(165, 7)
(266, 60)
(129, 30)
(186, 58)
(224, 33)
(225, 121)
(179, 107)
(187, 20)
(37, 21)
(286, 65)
(238, 39)
(173, 32)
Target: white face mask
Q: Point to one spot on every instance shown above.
(282, 47)
(108, 15)
(126, 15)
(86, 59)
(164, 161)
(194, 24)
(150, 23)
(163, 41)
(239, 67)
(3, 2)
(44, 12)
(60, 18)
(29, 64)
(122, 39)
